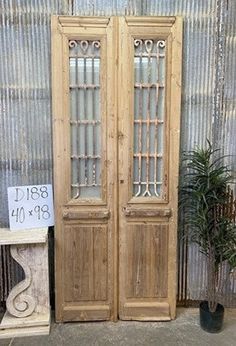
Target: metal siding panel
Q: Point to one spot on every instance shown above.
(25, 107)
(107, 7)
(229, 112)
(229, 103)
(26, 155)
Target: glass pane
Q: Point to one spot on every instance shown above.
(85, 118)
(149, 117)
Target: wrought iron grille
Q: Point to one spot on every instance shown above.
(149, 97)
(85, 118)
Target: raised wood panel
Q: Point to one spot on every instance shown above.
(86, 214)
(147, 261)
(86, 265)
(157, 212)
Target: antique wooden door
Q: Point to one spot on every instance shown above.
(149, 109)
(116, 112)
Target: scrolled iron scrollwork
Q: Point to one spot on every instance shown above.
(161, 44)
(73, 43)
(148, 45)
(96, 44)
(84, 45)
(149, 55)
(138, 42)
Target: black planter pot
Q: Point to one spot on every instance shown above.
(211, 321)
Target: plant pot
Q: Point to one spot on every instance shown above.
(211, 322)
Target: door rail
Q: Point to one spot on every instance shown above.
(135, 212)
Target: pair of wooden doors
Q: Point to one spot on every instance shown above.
(116, 86)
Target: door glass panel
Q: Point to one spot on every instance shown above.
(85, 118)
(149, 117)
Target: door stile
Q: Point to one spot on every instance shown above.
(60, 150)
(124, 149)
(175, 112)
(112, 153)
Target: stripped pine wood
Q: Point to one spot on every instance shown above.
(86, 231)
(148, 224)
(87, 259)
(116, 252)
(82, 214)
(147, 260)
(58, 150)
(174, 126)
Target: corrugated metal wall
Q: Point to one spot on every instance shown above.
(208, 97)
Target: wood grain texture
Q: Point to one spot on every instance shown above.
(83, 214)
(83, 21)
(146, 21)
(147, 311)
(86, 266)
(148, 226)
(86, 228)
(174, 129)
(147, 260)
(91, 259)
(59, 151)
(95, 312)
(141, 212)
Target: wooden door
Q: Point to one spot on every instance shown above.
(149, 116)
(85, 171)
(116, 108)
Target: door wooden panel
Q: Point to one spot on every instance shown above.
(116, 87)
(86, 274)
(149, 116)
(147, 260)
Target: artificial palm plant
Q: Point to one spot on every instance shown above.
(203, 196)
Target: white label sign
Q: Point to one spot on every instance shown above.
(30, 206)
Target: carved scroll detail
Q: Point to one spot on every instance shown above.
(20, 305)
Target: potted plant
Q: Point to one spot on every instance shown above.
(203, 196)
